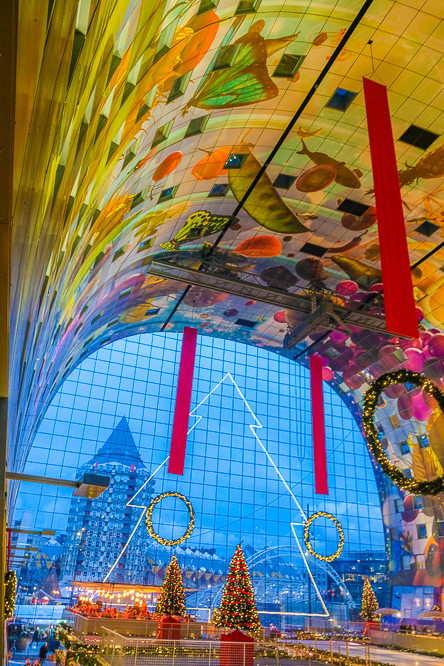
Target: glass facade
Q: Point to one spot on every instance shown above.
(248, 475)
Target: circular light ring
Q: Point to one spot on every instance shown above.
(324, 558)
(149, 524)
(371, 397)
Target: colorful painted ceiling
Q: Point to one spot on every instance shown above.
(141, 126)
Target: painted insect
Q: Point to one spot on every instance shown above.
(429, 166)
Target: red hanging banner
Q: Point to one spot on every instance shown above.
(317, 416)
(183, 400)
(399, 301)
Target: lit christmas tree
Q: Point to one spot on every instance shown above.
(238, 607)
(172, 595)
(369, 604)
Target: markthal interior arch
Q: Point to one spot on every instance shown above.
(222, 259)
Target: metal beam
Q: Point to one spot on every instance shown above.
(35, 550)
(90, 485)
(39, 533)
(211, 276)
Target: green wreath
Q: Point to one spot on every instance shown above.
(149, 524)
(323, 558)
(371, 397)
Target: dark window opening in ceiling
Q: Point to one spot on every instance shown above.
(247, 6)
(96, 319)
(144, 245)
(288, 66)
(197, 125)
(151, 312)
(235, 160)
(162, 134)
(418, 137)
(423, 441)
(179, 87)
(139, 198)
(88, 342)
(314, 250)
(165, 39)
(218, 190)
(341, 99)
(120, 252)
(168, 193)
(354, 207)
(245, 322)
(226, 56)
(284, 181)
(206, 5)
(427, 228)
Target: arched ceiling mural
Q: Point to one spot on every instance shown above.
(141, 125)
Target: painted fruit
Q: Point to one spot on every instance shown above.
(405, 408)
(327, 374)
(212, 165)
(409, 514)
(260, 246)
(346, 288)
(414, 360)
(436, 345)
(167, 166)
(317, 178)
(280, 317)
(395, 391)
(354, 223)
(433, 368)
(310, 269)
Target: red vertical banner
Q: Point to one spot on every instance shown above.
(183, 400)
(317, 417)
(399, 301)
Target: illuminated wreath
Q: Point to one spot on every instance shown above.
(324, 558)
(370, 403)
(149, 524)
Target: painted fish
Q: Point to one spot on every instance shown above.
(344, 176)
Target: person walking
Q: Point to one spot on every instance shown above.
(43, 652)
(35, 638)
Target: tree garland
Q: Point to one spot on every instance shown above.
(149, 523)
(370, 403)
(324, 558)
(10, 593)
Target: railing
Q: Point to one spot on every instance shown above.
(121, 650)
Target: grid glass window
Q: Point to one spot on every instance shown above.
(235, 160)
(404, 446)
(399, 505)
(179, 87)
(219, 190)
(288, 66)
(247, 6)
(168, 193)
(197, 125)
(121, 400)
(206, 5)
(422, 531)
(226, 56)
(162, 133)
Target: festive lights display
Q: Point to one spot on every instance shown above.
(149, 524)
(369, 604)
(238, 607)
(10, 593)
(370, 403)
(172, 595)
(324, 558)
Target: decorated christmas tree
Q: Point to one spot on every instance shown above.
(369, 604)
(238, 607)
(172, 595)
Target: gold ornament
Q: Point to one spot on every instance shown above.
(149, 524)
(324, 558)
(371, 397)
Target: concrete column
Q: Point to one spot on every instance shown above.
(8, 41)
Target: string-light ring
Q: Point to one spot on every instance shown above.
(324, 558)
(149, 523)
(370, 403)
